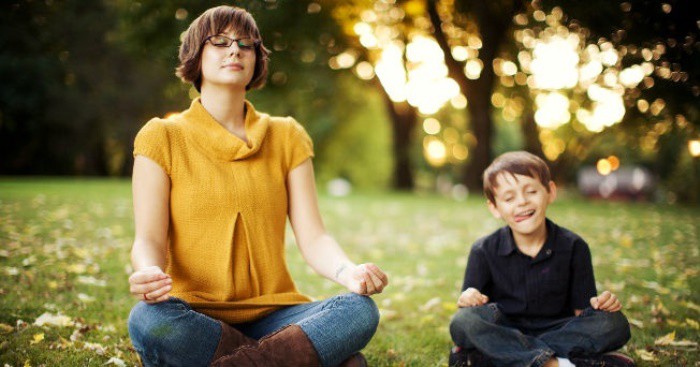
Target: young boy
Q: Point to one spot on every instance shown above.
(529, 295)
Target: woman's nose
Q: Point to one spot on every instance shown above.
(234, 50)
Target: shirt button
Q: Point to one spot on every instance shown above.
(549, 252)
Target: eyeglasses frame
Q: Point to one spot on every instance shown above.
(256, 43)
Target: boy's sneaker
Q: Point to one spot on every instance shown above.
(610, 359)
(460, 357)
(618, 359)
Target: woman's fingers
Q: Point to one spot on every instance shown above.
(158, 295)
(363, 287)
(378, 273)
(369, 283)
(147, 275)
(377, 282)
(146, 288)
(374, 277)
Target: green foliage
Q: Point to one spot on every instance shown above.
(80, 78)
(358, 149)
(71, 97)
(63, 238)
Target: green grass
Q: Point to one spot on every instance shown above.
(56, 232)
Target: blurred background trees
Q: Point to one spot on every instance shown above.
(395, 93)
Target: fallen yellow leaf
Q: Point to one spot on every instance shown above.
(37, 338)
(4, 328)
(635, 322)
(692, 306)
(51, 319)
(666, 339)
(626, 241)
(646, 355)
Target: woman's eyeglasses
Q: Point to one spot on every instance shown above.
(245, 44)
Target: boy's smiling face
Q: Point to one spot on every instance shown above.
(521, 201)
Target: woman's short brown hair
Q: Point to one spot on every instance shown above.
(214, 21)
(515, 163)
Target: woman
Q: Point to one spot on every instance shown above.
(212, 189)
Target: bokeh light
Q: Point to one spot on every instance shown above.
(694, 148)
(431, 126)
(604, 167)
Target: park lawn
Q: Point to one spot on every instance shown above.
(64, 250)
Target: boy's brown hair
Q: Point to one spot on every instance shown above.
(211, 22)
(515, 163)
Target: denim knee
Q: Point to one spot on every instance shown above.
(468, 316)
(469, 320)
(614, 326)
(366, 313)
(147, 328)
(154, 332)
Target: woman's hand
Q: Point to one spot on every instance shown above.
(606, 301)
(365, 279)
(150, 285)
(472, 297)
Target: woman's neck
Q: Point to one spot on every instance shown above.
(227, 107)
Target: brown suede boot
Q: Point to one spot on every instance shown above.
(288, 347)
(355, 360)
(231, 339)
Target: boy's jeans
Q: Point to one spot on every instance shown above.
(510, 341)
(171, 333)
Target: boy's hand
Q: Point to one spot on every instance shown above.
(472, 297)
(606, 301)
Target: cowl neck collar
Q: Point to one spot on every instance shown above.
(208, 134)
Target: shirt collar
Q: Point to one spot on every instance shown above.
(507, 243)
(209, 135)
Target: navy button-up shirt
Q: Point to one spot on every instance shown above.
(552, 284)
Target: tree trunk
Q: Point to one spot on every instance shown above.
(403, 122)
(478, 93)
(494, 23)
(531, 132)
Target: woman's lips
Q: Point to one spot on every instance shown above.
(233, 66)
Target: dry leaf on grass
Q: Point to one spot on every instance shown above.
(116, 361)
(670, 341)
(55, 320)
(646, 355)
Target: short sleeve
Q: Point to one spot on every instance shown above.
(582, 278)
(300, 147)
(153, 142)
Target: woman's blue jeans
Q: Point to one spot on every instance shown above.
(171, 333)
(511, 341)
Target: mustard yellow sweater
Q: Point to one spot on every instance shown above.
(228, 209)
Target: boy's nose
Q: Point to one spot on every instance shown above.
(522, 199)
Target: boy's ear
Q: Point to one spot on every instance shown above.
(492, 208)
(552, 191)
